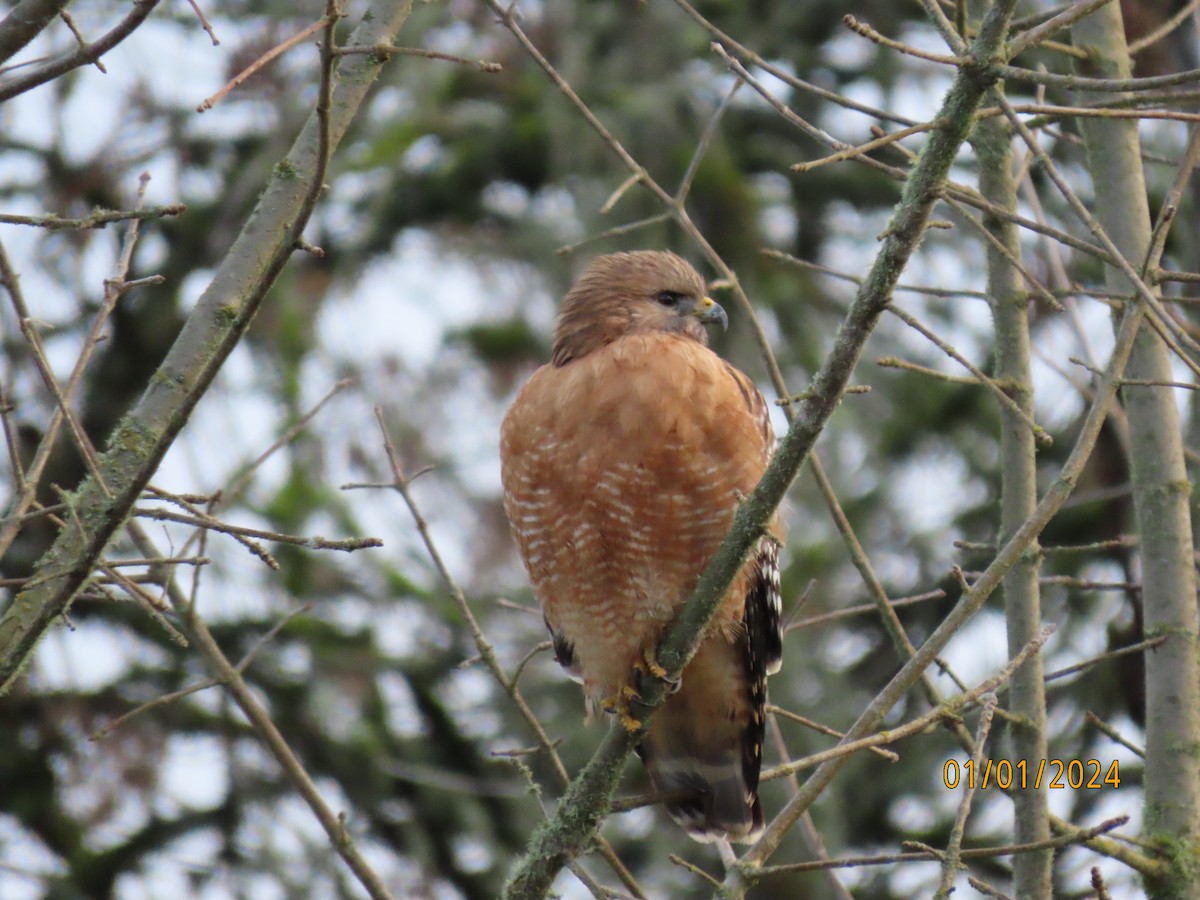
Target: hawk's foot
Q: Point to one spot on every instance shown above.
(618, 704)
(649, 663)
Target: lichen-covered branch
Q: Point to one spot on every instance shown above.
(1018, 498)
(1161, 491)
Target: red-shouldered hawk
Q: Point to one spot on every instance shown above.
(623, 462)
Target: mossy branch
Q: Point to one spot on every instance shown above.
(1018, 493)
(1156, 460)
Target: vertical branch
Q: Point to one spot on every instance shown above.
(1160, 488)
(952, 861)
(1018, 497)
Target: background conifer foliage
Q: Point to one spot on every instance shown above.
(270, 273)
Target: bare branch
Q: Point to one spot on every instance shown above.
(204, 23)
(278, 50)
(1082, 837)
(387, 50)
(89, 53)
(951, 863)
(26, 21)
(97, 219)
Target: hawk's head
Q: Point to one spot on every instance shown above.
(630, 293)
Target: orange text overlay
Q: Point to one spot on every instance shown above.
(1055, 774)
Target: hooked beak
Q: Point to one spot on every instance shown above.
(709, 312)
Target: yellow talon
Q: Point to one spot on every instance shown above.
(619, 702)
(652, 664)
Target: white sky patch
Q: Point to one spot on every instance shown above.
(404, 305)
(913, 813)
(847, 50)
(842, 649)
(779, 219)
(850, 125)
(472, 853)
(468, 694)
(404, 719)
(27, 857)
(917, 879)
(979, 649)
(88, 657)
(194, 771)
(932, 489)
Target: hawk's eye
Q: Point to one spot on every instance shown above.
(668, 298)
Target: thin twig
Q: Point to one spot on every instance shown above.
(862, 608)
(950, 709)
(706, 136)
(70, 23)
(1040, 434)
(1106, 85)
(987, 890)
(826, 730)
(204, 23)
(808, 829)
(97, 219)
(884, 140)
(788, 77)
(271, 54)
(151, 605)
(614, 232)
(864, 30)
(82, 56)
(230, 677)
(1115, 735)
(1157, 34)
(1157, 315)
(951, 33)
(386, 50)
(1139, 647)
(1064, 19)
(694, 869)
(62, 410)
(951, 190)
(952, 861)
(1083, 835)
(927, 290)
(347, 545)
(894, 362)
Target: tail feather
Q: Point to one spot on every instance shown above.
(703, 749)
(705, 744)
(712, 800)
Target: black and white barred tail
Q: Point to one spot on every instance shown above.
(713, 773)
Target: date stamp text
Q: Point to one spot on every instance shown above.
(1055, 774)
